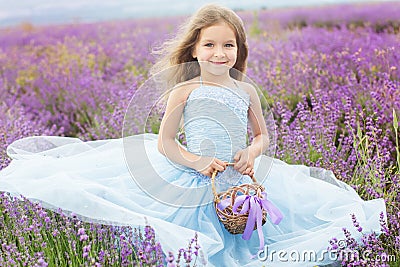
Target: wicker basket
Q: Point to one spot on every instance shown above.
(235, 222)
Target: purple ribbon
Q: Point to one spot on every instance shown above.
(254, 205)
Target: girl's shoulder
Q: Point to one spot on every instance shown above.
(182, 90)
(248, 88)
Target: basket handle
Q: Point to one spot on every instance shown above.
(215, 174)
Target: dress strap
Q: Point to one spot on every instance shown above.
(234, 81)
(201, 81)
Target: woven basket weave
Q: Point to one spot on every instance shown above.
(233, 222)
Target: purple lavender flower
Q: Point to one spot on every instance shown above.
(335, 105)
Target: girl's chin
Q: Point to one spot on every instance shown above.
(216, 68)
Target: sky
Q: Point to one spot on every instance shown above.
(41, 12)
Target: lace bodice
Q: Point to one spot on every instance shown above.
(215, 123)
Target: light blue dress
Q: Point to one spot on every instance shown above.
(127, 181)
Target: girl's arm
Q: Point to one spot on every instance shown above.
(244, 159)
(169, 147)
(260, 141)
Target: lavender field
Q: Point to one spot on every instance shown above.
(330, 75)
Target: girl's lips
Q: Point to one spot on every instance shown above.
(218, 63)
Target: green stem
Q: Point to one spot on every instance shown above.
(396, 126)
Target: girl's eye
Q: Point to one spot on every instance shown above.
(209, 45)
(229, 45)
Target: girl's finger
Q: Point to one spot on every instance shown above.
(221, 163)
(216, 166)
(219, 167)
(247, 171)
(238, 164)
(242, 169)
(237, 156)
(248, 167)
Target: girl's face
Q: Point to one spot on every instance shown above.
(216, 49)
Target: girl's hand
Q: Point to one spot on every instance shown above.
(244, 161)
(207, 165)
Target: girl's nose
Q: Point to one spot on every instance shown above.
(219, 52)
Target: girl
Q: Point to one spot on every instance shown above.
(215, 41)
(171, 185)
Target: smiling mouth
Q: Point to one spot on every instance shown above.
(218, 63)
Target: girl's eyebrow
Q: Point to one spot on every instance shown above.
(228, 41)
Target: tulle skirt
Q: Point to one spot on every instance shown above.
(96, 181)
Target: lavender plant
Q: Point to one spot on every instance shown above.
(330, 76)
(34, 236)
(370, 251)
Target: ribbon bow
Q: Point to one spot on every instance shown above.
(254, 205)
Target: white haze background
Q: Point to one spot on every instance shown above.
(67, 11)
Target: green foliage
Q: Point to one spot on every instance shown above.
(255, 29)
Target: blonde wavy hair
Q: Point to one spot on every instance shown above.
(176, 51)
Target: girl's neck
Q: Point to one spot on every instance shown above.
(225, 80)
